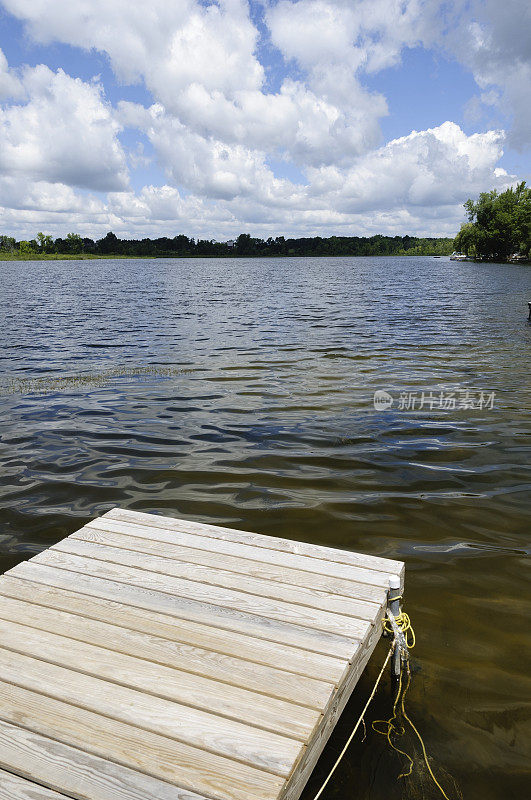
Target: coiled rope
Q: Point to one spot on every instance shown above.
(403, 623)
(400, 628)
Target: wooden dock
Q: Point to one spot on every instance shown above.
(152, 658)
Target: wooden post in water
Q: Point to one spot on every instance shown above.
(394, 608)
(529, 317)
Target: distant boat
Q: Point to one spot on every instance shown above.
(460, 257)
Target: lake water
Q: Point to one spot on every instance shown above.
(240, 392)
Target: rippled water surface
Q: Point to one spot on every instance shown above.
(240, 392)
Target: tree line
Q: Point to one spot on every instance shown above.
(245, 245)
(499, 225)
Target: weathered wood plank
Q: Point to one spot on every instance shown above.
(73, 772)
(114, 602)
(303, 616)
(197, 611)
(218, 576)
(244, 566)
(12, 787)
(330, 554)
(253, 746)
(195, 536)
(211, 664)
(197, 692)
(138, 749)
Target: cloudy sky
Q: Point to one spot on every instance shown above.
(316, 117)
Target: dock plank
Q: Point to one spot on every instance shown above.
(146, 656)
(386, 565)
(309, 756)
(217, 666)
(246, 547)
(72, 772)
(13, 787)
(258, 710)
(107, 583)
(222, 578)
(144, 751)
(265, 607)
(242, 566)
(250, 745)
(107, 601)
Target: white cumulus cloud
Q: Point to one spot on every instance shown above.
(431, 168)
(493, 39)
(59, 129)
(200, 63)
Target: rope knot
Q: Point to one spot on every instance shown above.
(402, 631)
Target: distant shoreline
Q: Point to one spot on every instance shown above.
(119, 257)
(109, 257)
(64, 257)
(245, 245)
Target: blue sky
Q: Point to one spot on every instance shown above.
(314, 117)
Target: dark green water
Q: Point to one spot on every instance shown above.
(240, 392)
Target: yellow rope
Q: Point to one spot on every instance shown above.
(396, 729)
(404, 624)
(358, 723)
(419, 737)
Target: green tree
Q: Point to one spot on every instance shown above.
(245, 245)
(109, 244)
(45, 243)
(498, 224)
(465, 241)
(7, 244)
(73, 243)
